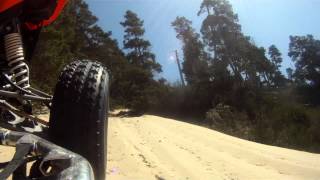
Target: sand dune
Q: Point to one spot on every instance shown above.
(151, 147)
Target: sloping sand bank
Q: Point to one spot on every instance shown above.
(151, 147)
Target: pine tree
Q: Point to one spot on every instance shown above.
(139, 82)
(229, 48)
(195, 65)
(275, 56)
(275, 59)
(222, 35)
(139, 53)
(305, 52)
(75, 35)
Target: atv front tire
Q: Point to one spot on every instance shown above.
(78, 119)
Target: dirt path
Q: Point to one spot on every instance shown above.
(151, 147)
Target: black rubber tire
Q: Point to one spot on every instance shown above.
(78, 118)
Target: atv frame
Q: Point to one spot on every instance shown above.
(65, 164)
(82, 88)
(34, 147)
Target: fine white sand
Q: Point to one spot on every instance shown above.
(151, 147)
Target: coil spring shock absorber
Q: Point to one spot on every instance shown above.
(15, 57)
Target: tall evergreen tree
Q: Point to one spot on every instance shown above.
(246, 63)
(195, 65)
(305, 52)
(75, 35)
(222, 36)
(275, 56)
(139, 53)
(143, 66)
(275, 63)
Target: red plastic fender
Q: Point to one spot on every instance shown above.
(54, 16)
(7, 4)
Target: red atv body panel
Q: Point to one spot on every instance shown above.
(7, 4)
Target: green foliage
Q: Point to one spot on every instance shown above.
(290, 73)
(74, 35)
(139, 82)
(232, 84)
(275, 76)
(305, 52)
(240, 87)
(286, 124)
(224, 66)
(279, 121)
(139, 49)
(195, 65)
(275, 56)
(227, 119)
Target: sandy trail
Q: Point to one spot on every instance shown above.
(151, 147)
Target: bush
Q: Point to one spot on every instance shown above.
(287, 125)
(226, 119)
(276, 123)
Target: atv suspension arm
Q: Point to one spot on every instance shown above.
(63, 163)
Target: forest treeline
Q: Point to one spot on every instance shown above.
(233, 85)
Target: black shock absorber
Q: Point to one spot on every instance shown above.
(15, 57)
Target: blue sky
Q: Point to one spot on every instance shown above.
(266, 21)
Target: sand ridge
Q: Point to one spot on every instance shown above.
(152, 147)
